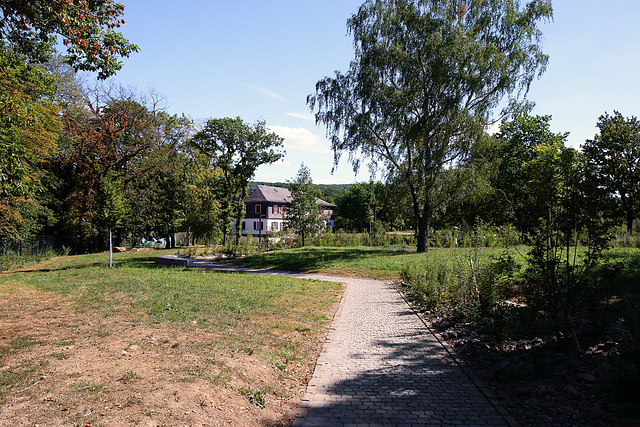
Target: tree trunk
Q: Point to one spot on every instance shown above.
(423, 232)
(629, 222)
(238, 232)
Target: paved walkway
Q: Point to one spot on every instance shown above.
(382, 366)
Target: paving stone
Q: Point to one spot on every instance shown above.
(381, 365)
(382, 360)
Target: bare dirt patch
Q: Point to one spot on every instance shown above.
(61, 366)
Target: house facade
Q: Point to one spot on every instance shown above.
(265, 208)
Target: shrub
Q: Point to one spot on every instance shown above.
(348, 240)
(326, 237)
(467, 284)
(446, 283)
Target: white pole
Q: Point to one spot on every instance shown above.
(110, 250)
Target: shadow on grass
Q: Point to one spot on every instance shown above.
(80, 262)
(310, 259)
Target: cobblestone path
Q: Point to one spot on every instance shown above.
(382, 366)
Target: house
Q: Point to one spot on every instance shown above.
(265, 209)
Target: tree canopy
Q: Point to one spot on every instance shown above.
(87, 29)
(236, 149)
(304, 214)
(614, 161)
(28, 130)
(424, 81)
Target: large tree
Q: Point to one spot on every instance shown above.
(614, 161)
(29, 124)
(101, 152)
(424, 81)
(356, 206)
(87, 29)
(237, 149)
(512, 151)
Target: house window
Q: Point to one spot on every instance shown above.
(274, 226)
(258, 225)
(246, 209)
(258, 209)
(244, 225)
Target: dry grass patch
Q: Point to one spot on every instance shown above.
(135, 346)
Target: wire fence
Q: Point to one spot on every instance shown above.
(14, 254)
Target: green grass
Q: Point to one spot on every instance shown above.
(387, 262)
(369, 262)
(188, 298)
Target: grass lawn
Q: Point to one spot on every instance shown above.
(387, 262)
(84, 344)
(368, 262)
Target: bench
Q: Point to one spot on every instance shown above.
(174, 261)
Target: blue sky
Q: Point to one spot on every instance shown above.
(259, 60)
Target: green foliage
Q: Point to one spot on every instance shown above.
(326, 237)
(348, 240)
(356, 206)
(28, 126)
(450, 283)
(31, 28)
(560, 274)
(105, 150)
(255, 396)
(379, 236)
(514, 152)
(236, 150)
(613, 162)
(468, 285)
(424, 79)
(304, 215)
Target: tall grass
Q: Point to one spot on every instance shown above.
(11, 260)
(466, 282)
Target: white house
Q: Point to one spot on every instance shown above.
(265, 209)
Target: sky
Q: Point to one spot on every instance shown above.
(259, 60)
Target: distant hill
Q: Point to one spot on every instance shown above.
(329, 191)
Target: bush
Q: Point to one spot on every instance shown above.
(468, 285)
(11, 260)
(446, 283)
(326, 237)
(348, 240)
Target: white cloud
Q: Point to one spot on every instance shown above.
(283, 162)
(494, 127)
(266, 92)
(302, 116)
(300, 139)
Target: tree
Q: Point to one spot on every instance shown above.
(29, 124)
(201, 207)
(356, 206)
(614, 162)
(237, 150)
(304, 214)
(570, 234)
(104, 142)
(87, 28)
(511, 152)
(425, 78)
(157, 188)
